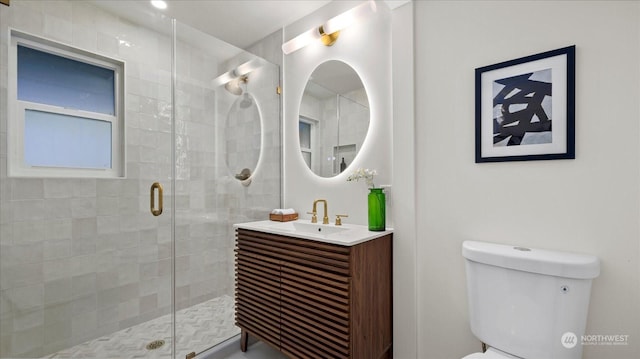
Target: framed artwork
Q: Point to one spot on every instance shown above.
(525, 108)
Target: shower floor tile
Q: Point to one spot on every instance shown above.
(197, 328)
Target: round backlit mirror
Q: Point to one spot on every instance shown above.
(334, 118)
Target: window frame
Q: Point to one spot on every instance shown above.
(17, 109)
(312, 133)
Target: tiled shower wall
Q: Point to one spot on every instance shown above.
(80, 258)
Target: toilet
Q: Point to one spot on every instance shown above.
(527, 303)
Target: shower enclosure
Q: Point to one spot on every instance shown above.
(86, 269)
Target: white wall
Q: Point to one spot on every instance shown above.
(405, 305)
(365, 47)
(590, 204)
(384, 47)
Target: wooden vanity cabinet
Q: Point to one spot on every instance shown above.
(311, 299)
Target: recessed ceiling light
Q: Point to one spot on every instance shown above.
(159, 4)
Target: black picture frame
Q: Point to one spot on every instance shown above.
(517, 102)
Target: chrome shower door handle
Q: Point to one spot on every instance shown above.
(155, 211)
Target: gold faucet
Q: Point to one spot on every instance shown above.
(339, 219)
(314, 218)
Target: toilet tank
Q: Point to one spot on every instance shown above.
(523, 300)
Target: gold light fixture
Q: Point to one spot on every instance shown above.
(233, 86)
(329, 32)
(328, 39)
(238, 75)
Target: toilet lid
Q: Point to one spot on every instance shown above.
(490, 354)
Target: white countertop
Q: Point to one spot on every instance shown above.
(345, 235)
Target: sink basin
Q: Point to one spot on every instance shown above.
(317, 228)
(347, 234)
(306, 227)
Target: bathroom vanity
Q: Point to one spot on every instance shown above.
(315, 291)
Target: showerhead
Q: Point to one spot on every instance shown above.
(246, 101)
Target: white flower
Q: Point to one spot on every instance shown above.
(365, 174)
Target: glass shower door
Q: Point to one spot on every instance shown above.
(227, 151)
(85, 268)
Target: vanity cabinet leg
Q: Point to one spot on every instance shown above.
(244, 338)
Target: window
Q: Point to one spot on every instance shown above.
(305, 128)
(65, 111)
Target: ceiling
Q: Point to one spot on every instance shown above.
(241, 23)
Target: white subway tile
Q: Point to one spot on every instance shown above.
(27, 188)
(25, 210)
(26, 19)
(57, 291)
(85, 37)
(84, 303)
(56, 269)
(56, 333)
(28, 319)
(58, 188)
(129, 309)
(57, 229)
(83, 323)
(25, 341)
(108, 187)
(28, 297)
(108, 224)
(58, 29)
(84, 284)
(23, 253)
(83, 207)
(84, 227)
(108, 315)
(84, 187)
(56, 249)
(57, 208)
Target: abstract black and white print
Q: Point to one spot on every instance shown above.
(522, 109)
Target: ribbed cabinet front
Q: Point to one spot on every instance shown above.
(297, 295)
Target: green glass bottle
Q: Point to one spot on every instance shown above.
(377, 207)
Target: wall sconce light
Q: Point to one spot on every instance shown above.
(159, 4)
(234, 87)
(237, 73)
(329, 31)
